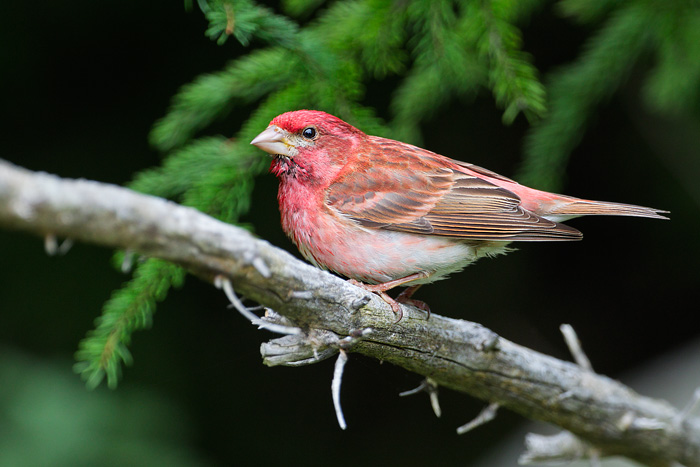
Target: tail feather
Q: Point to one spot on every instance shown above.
(581, 207)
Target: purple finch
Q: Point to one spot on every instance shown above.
(385, 213)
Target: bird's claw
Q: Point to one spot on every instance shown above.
(420, 304)
(395, 307)
(378, 289)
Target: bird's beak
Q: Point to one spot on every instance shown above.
(274, 141)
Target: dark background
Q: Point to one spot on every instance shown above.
(82, 84)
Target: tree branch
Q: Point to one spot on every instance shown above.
(457, 354)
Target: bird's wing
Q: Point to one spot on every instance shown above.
(410, 191)
(477, 209)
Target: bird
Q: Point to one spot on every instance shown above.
(384, 213)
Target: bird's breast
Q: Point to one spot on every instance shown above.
(331, 241)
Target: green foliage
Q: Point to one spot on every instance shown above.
(587, 11)
(635, 30)
(436, 51)
(372, 33)
(443, 68)
(578, 89)
(212, 96)
(497, 41)
(673, 84)
(131, 308)
(196, 161)
(245, 20)
(297, 8)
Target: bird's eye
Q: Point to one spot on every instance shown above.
(309, 132)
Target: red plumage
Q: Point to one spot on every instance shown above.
(388, 213)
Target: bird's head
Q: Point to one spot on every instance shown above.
(309, 141)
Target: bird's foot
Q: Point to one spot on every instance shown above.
(395, 307)
(420, 304)
(380, 289)
(404, 297)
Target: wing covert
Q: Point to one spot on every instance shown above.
(415, 191)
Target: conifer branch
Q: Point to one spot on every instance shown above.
(512, 78)
(105, 349)
(456, 354)
(577, 90)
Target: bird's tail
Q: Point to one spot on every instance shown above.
(566, 208)
(558, 208)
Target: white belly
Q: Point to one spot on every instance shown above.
(376, 255)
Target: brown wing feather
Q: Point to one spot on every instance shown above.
(423, 196)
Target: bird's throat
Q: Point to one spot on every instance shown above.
(286, 167)
(282, 166)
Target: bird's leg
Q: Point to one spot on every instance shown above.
(404, 297)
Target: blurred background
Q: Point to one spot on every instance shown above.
(84, 81)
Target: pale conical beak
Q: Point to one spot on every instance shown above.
(274, 141)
